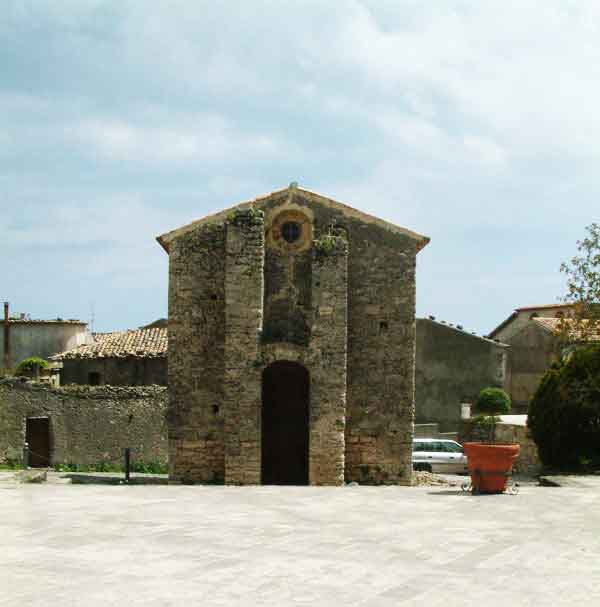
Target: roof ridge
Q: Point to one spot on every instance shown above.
(165, 239)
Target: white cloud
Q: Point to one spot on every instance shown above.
(204, 139)
(452, 118)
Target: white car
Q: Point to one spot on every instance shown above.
(439, 455)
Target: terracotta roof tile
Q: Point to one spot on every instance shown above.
(139, 343)
(554, 325)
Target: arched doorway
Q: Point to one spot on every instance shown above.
(285, 401)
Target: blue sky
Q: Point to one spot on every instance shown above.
(475, 123)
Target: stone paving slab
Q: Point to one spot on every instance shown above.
(95, 545)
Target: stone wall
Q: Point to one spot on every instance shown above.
(380, 333)
(529, 460)
(88, 425)
(452, 367)
(340, 302)
(115, 371)
(196, 355)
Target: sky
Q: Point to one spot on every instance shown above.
(475, 123)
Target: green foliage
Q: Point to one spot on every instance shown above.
(564, 413)
(583, 270)
(139, 467)
(493, 401)
(30, 365)
(583, 289)
(328, 243)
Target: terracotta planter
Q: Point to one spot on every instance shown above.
(489, 465)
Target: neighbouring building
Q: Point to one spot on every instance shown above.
(123, 358)
(40, 338)
(291, 344)
(452, 367)
(82, 425)
(533, 349)
(522, 316)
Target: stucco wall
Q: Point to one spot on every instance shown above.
(41, 339)
(87, 425)
(532, 351)
(115, 371)
(452, 367)
(522, 318)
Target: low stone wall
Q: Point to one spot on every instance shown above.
(528, 461)
(426, 431)
(87, 425)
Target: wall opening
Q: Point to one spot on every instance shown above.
(285, 405)
(94, 378)
(37, 436)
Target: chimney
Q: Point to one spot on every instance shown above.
(6, 337)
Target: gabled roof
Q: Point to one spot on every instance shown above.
(503, 324)
(166, 239)
(517, 311)
(140, 343)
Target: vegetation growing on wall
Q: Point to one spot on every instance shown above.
(328, 243)
(251, 215)
(564, 414)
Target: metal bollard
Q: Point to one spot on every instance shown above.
(127, 454)
(25, 456)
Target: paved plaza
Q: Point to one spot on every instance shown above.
(92, 545)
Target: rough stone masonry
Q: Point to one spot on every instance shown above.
(291, 344)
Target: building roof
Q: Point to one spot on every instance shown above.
(544, 307)
(166, 239)
(138, 343)
(586, 331)
(35, 321)
(517, 311)
(459, 329)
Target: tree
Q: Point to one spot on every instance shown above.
(564, 413)
(31, 366)
(583, 291)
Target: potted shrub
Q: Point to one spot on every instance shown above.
(489, 463)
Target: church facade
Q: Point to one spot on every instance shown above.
(291, 351)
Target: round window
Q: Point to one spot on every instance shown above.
(291, 231)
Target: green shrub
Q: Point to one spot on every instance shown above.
(564, 413)
(30, 365)
(493, 401)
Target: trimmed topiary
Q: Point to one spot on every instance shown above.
(493, 401)
(564, 413)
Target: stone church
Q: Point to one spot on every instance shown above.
(291, 349)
